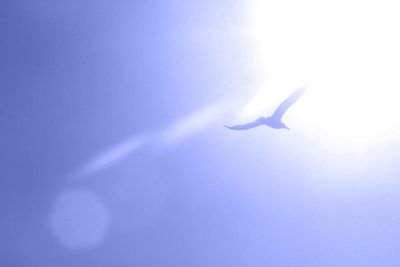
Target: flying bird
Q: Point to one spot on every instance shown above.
(275, 120)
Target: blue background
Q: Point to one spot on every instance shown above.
(77, 78)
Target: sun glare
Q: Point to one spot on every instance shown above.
(347, 52)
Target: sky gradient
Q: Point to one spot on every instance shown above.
(113, 150)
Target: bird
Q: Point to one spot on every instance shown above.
(275, 120)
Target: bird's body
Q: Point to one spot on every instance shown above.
(275, 120)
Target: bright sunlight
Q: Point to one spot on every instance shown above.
(347, 52)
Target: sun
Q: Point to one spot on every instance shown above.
(347, 52)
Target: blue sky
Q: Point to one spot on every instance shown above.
(114, 151)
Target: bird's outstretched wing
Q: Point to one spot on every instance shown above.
(245, 126)
(285, 105)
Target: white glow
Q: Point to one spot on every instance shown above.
(193, 123)
(349, 54)
(110, 156)
(169, 136)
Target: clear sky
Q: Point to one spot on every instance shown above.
(113, 150)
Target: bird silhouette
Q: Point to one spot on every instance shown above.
(275, 120)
